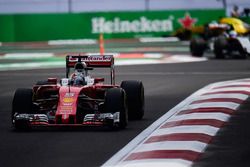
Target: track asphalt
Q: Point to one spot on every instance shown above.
(165, 86)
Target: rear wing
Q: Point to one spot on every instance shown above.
(94, 61)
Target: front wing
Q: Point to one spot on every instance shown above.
(41, 120)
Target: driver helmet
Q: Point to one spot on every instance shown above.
(233, 34)
(79, 67)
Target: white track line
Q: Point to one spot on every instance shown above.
(229, 95)
(217, 116)
(203, 129)
(23, 56)
(230, 89)
(156, 163)
(173, 145)
(230, 105)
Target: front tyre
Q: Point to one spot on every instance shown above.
(135, 98)
(22, 103)
(115, 101)
(237, 46)
(197, 47)
(220, 45)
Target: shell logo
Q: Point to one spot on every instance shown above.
(68, 99)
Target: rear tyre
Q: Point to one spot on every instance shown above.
(115, 101)
(135, 99)
(197, 47)
(183, 34)
(22, 103)
(220, 44)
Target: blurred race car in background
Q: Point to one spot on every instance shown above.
(79, 99)
(228, 37)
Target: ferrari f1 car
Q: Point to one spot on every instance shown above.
(79, 99)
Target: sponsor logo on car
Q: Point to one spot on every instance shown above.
(68, 99)
(105, 58)
(69, 94)
(66, 109)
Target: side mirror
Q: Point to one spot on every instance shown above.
(97, 80)
(52, 80)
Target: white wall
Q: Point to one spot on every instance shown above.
(185, 4)
(107, 5)
(60, 6)
(33, 6)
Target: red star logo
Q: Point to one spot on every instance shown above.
(187, 21)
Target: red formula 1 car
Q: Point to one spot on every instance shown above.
(79, 99)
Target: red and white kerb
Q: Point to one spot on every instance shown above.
(181, 138)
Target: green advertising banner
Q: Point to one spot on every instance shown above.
(44, 27)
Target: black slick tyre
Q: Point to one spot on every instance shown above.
(115, 101)
(197, 47)
(135, 98)
(236, 45)
(220, 44)
(22, 103)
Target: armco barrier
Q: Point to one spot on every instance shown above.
(44, 27)
(179, 137)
